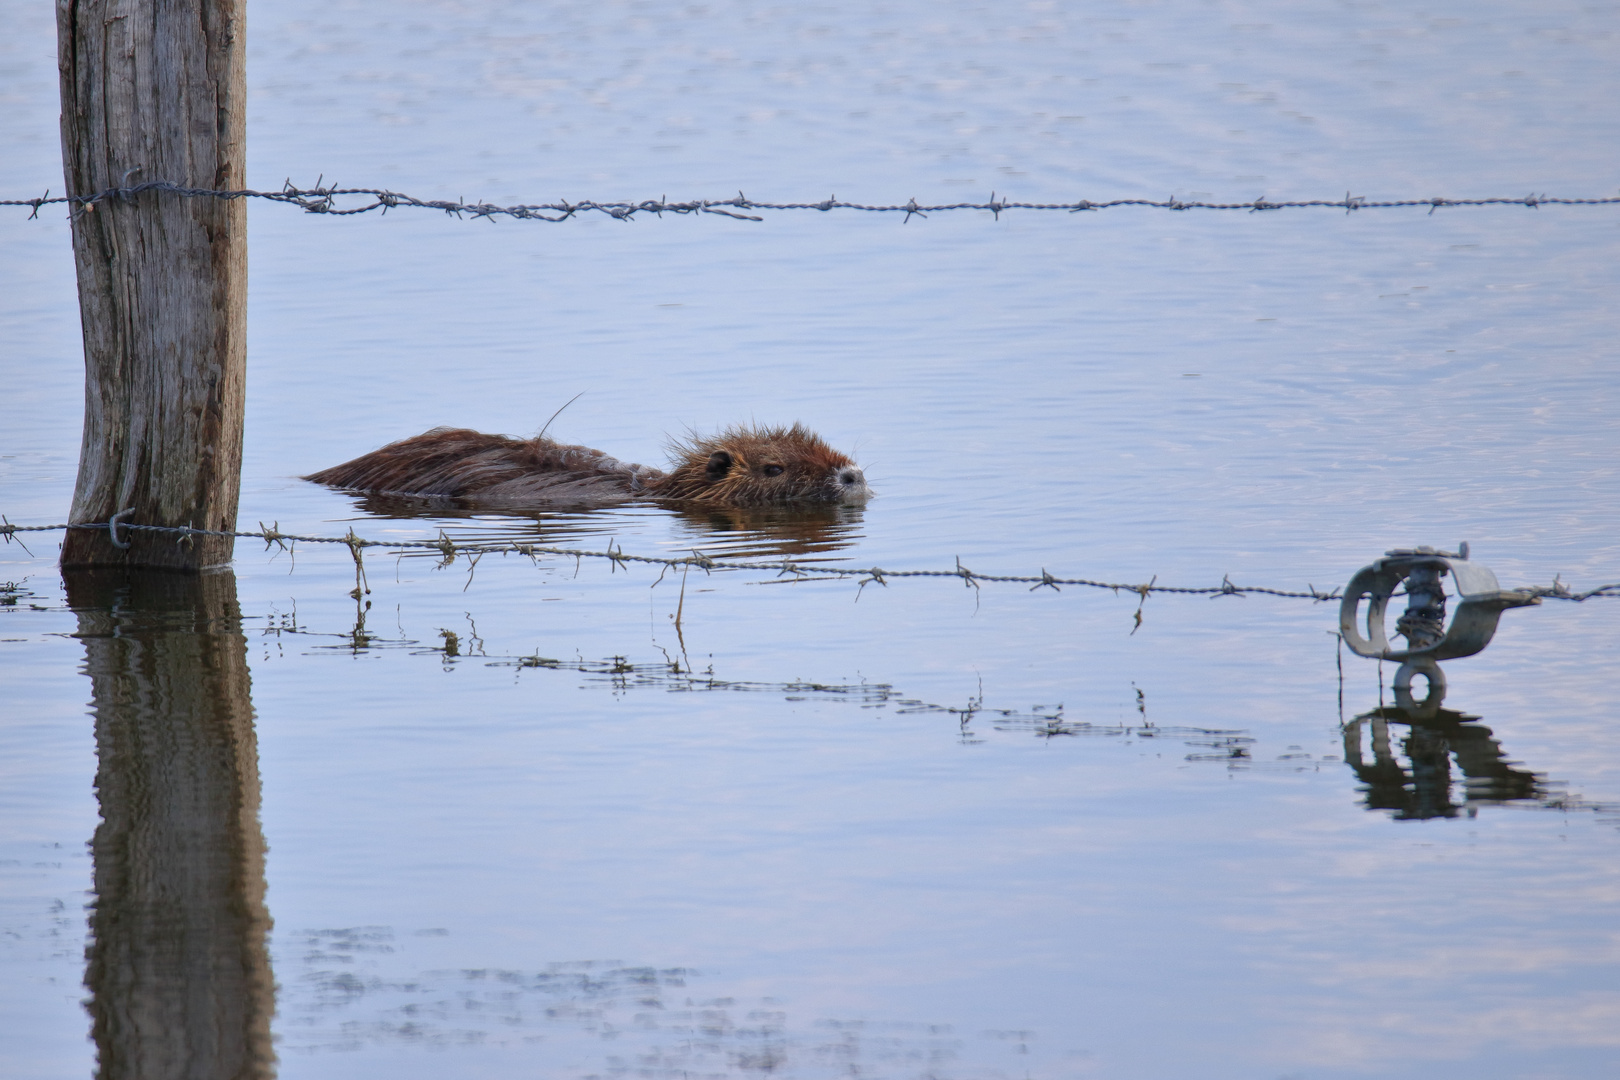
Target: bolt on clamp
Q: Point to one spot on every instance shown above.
(1423, 624)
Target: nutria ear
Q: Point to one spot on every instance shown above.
(719, 465)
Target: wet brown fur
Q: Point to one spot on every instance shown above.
(806, 468)
(741, 466)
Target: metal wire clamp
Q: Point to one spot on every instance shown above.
(1423, 624)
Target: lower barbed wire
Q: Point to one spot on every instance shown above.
(448, 549)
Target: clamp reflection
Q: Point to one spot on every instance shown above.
(1424, 785)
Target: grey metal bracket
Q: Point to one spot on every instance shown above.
(1428, 638)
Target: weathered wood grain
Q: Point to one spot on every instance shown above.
(155, 90)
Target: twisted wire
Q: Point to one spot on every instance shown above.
(449, 549)
(323, 200)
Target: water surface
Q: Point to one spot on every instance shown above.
(514, 822)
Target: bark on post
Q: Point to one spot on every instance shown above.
(154, 90)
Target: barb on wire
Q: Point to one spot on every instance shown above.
(620, 559)
(8, 531)
(322, 199)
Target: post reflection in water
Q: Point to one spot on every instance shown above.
(1435, 737)
(177, 966)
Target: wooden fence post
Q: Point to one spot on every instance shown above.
(153, 90)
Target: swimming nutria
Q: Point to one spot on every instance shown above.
(741, 466)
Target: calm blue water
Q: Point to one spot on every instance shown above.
(914, 830)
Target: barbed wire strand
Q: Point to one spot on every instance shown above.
(449, 549)
(322, 200)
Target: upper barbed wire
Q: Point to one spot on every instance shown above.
(323, 200)
(449, 550)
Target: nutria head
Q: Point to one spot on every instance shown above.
(755, 466)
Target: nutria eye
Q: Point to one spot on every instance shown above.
(773, 470)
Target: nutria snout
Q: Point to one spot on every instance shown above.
(741, 466)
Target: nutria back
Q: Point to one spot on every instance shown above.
(741, 466)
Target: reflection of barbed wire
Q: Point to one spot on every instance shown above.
(450, 550)
(1235, 749)
(322, 200)
(620, 674)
